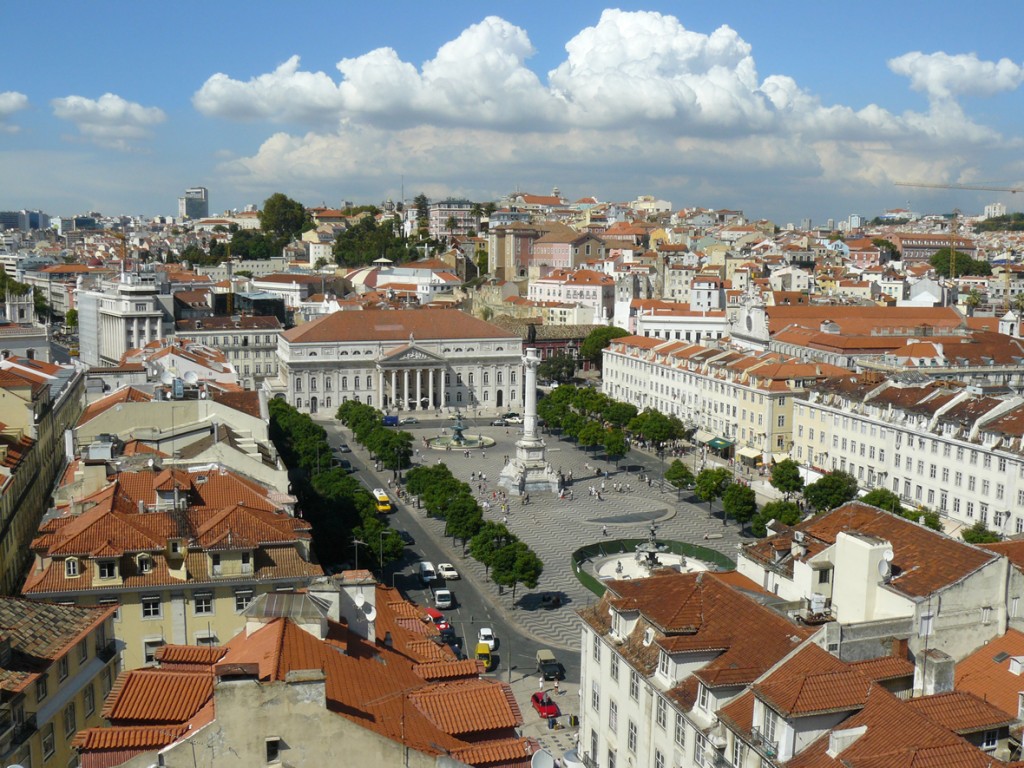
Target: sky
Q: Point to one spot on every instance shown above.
(786, 110)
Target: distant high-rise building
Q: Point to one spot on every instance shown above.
(805, 225)
(855, 221)
(994, 210)
(830, 224)
(194, 204)
(9, 220)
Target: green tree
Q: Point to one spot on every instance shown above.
(394, 449)
(615, 444)
(965, 265)
(831, 491)
(785, 512)
(679, 475)
(515, 564)
(786, 478)
(591, 435)
(973, 300)
(71, 318)
(283, 216)
(619, 414)
(593, 346)
(656, 427)
(711, 484)
(979, 534)
(487, 541)
(885, 499)
(463, 518)
(422, 205)
(740, 503)
(560, 368)
(368, 240)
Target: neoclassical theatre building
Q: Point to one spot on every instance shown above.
(399, 360)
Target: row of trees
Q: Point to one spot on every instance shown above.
(392, 447)
(340, 510)
(508, 561)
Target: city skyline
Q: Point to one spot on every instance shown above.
(787, 112)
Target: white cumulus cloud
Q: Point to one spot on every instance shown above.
(110, 120)
(11, 102)
(942, 76)
(286, 94)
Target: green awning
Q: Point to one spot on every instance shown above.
(719, 443)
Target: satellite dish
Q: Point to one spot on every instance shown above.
(191, 377)
(888, 555)
(360, 600)
(151, 462)
(370, 611)
(167, 378)
(884, 570)
(542, 759)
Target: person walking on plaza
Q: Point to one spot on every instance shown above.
(540, 683)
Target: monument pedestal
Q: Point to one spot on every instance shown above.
(528, 471)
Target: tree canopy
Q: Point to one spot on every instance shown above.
(831, 491)
(679, 475)
(711, 484)
(283, 216)
(786, 477)
(560, 368)
(593, 346)
(367, 240)
(979, 534)
(740, 503)
(965, 265)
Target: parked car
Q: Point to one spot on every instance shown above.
(443, 598)
(343, 464)
(512, 418)
(499, 423)
(550, 600)
(406, 538)
(438, 619)
(409, 420)
(548, 665)
(486, 635)
(447, 571)
(343, 448)
(544, 705)
(390, 421)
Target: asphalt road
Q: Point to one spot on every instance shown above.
(516, 651)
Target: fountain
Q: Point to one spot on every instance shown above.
(649, 556)
(458, 439)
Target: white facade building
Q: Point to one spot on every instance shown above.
(118, 315)
(400, 360)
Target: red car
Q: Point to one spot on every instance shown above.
(544, 705)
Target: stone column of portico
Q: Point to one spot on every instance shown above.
(419, 388)
(430, 387)
(405, 388)
(380, 389)
(394, 388)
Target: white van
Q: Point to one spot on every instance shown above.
(426, 571)
(443, 598)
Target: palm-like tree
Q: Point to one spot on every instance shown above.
(972, 301)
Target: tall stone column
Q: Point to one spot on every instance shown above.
(419, 388)
(394, 388)
(430, 387)
(405, 388)
(528, 470)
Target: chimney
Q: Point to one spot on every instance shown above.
(933, 672)
(327, 591)
(94, 475)
(358, 604)
(1016, 665)
(840, 739)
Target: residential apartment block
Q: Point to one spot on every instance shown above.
(954, 449)
(249, 342)
(742, 399)
(180, 554)
(57, 665)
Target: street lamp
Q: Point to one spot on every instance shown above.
(355, 546)
(381, 551)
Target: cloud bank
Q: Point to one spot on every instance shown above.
(110, 120)
(10, 103)
(638, 98)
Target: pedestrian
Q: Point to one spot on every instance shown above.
(602, 485)
(484, 453)
(604, 530)
(599, 496)
(540, 684)
(472, 476)
(504, 520)
(556, 686)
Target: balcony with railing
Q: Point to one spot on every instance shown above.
(764, 746)
(24, 730)
(107, 651)
(588, 761)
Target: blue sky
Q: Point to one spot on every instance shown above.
(786, 110)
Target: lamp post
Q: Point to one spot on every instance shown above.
(381, 552)
(355, 546)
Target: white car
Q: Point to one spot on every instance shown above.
(486, 635)
(443, 598)
(447, 571)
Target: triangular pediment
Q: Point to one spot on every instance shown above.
(410, 353)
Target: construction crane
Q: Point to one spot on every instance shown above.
(979, 187)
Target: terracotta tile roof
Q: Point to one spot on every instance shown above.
(465, 708)
(884, 668)
(897, 736)
(986, 672)
(395, 325)
(448, 670)
(924, 561)
(157, 696)
(201, 655)
(961, 712)
(142, 737)
(39, 634)
(811, 682)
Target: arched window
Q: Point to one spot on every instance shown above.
(487, 395)
(369, 382)
(458, 397)
(344, 382)
(327, 403)
(327, 383)
(298, 402)
(471, 379)
(487, 378)
(298, 384)
(499, 377)
(312, 385)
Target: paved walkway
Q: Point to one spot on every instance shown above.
(554, 528)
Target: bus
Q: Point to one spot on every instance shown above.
(383, 501)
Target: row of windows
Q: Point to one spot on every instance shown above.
(369, 384)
